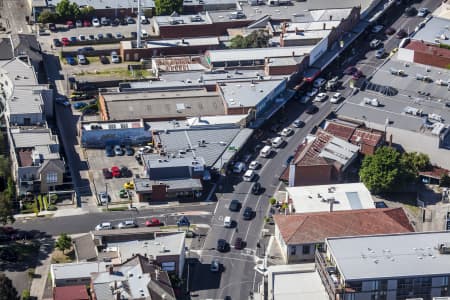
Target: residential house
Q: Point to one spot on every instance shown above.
(73, 292)
(74, 274)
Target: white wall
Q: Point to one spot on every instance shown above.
(318, 50)
(405, 54)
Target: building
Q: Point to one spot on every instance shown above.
(391, 266)
(299, 235)
(135, 278)
(320, 159)
(73, 292)
(336, 197)
(426, 53)
(74, 274)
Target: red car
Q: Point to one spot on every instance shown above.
(70, 24)
(65, 41)
(350, 70)
(87, 23)
(115, 170)
(153, 222)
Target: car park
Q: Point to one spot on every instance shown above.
(127, 224)
(129, 185)
(256, 188)
(115, 171)
(319, 82)
(336, 98)
(235, 205)
(287, 131)
(79, 105)
(104, 59)
(118, 150)
(215, 266)
(222, 245)
(104, 226)
(153, 222)
(320, 97)
(254, 165)
(106, 173)
(298, 123)
(238, 243)
(377, 28)
(312, 109)
(103, 197)
(109, 151)
(423, 11)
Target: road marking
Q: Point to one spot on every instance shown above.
(211, 193)
(230, 258)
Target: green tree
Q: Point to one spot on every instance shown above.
(74, 11)
(419, 161)
(67, 10)
(445, 181)
(87, 12)
(6, 210)
(47, 16)
(256, 39)
(64, 242)
(381, 172)
(7, 290)
(167, 7)
(238, 42)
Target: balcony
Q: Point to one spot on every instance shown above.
(329, 275)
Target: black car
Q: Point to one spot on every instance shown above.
(104, 59)
(138, 158)
(289, 159)
(134, 34)
(235, 205)
(312, 109)
(52, 26)
(125, 172)
(256, 188)
(123, 22)
(248, 213)
(410, 11)
(222, 245)
(109, 35)
(57, 43)
(115, 22)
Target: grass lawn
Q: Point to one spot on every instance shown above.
(119, 71)
(58, 257)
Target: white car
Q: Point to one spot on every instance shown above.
(254, 165)
(127, 224)
(104, 226)
(249, 175)
(312, 93)
(319, 82)
(379, 53)
(145, 149)
(375, 43)
(96, 22)
(238, 167)
(115, 58)
(377, 28)
(336, 97)
(298, 123)
(104, 197)
(286, 131)
(320, 97)
(423, 12)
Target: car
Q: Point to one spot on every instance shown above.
(70, 24)
(138, 158)
(248, 213)
(237, 15)
(127, 224)
(73, 39)
(52, 26)
(79, 105)
(287, 131)
(57, 43)
(153, 222)
(109, 151)
(312, 109)
(377, 28)
(115, 22)
(128, 150)
(82, 38)
(133, 34)
(235, 205)
(115, 58)
(87, 23)
(104, 59)
(106, 173)
(380, 53)
(109, 35)
(65, 41)
(115, 171)
(82, 59)
(105, 21)
(358, 74)
(62, 101)
(350, 70)
(249, 175)
(91, 37)
(130, 20)
(125, 172)
(256, 188)
(401, 34)
(118, 150)
(312, 93)
(144, 34)
(145, 149)
(129, 185)
(374, 43)
(390, 31)
(104, 226)
(78, 23)
(222, 245)
(410, 11)
(336, 98)
(298, 123)
(119, 35)
(254, 165)
(183, 221)
(123, 22)
(215, 266)
(289, 159)
(320, 97)
(99, 36)
(104, 197)
(238, 243)
(123, 193)
(144, 20)
(319, 82)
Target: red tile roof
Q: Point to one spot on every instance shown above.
(366, 137)
(315, 227)
(340, 130)
(436, 173)
(310, 154)
(73, 292)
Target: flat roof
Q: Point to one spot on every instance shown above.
(285, 61)
(436, 31)
(143, 185)
(180, 20)
(107, 125)
(76, 270)
(315, 198)
(188, 42)
(157, 161)
(224, 121)
(390, 256)
(101, 4)
(214, 56)
(248, 93)
(32, 137)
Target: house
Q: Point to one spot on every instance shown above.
(73, 292)
(299, 235)
(135, 278)
(320, 159)
(388, 266)
(74, 274)
(434, 175)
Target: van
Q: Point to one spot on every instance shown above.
(265, 151)
(277, 142)
(248, 175)
(227, 222)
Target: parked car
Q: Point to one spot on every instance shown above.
(79, 105)
(215, 266)
(129, 185)
(256, 188)
(65, 41)
(109, 35)
(410, 11)
(222, 245)
(390, 31)
(235, 205)
(238, 243)
(91, 37)
(401, 34)
(105, 21)
(109, 151)
(145, 149)
(123, 22)
(104, 197)
(254, 165)
(183, 221)
(130, 20)
(104, 226)
(99, 36)
(350, 70)
(87, 23)
(312, 109)
(52, 26)
(115, 171)
(78, 23)
(374, 43)
(320, 97)
(312, 93)
(127, 224)
(128, 150)
(104, 59)
(125, 172)
(377, 28)
(119, 36)
(287, 131)
(115, 58)
(319, 82)
(358, 74)
(57, 43)
(379, 53)
(115, 22)
(73, 39)
(70, 24)
(133, 34)
(106, 173)
(423, 12)
(298, 123)
(153, 222)
(118, 150)
(336, 98)
(82, 59)
(82, 38)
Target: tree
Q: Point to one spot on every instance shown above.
(419, 161)
(66, 10)
(47, 16)
(7, 290)
(64, 242)
(445, 181)
(380, 172)
(74, 10)
(238, 42)
(6, 210)
(256, 39)
(87, 12)
(167, 7)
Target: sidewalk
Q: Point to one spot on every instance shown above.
(41, 272)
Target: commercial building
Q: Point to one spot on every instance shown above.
(299, 235)
(392, 266)
(320, 159)
(337, 197)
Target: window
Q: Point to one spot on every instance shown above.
(52, 177)
(306, 249)
(293, 249)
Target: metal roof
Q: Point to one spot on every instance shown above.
(436, 31)
(102, 4)
(390, 256)
(76, 270)
(32, 138)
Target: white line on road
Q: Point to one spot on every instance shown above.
(213, 189)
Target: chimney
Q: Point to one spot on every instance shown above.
(111, 270)
(331, 204)
(293, 53)
(324, 26)
(331, 17)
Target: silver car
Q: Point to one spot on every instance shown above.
(127, 224)
(215, 266)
